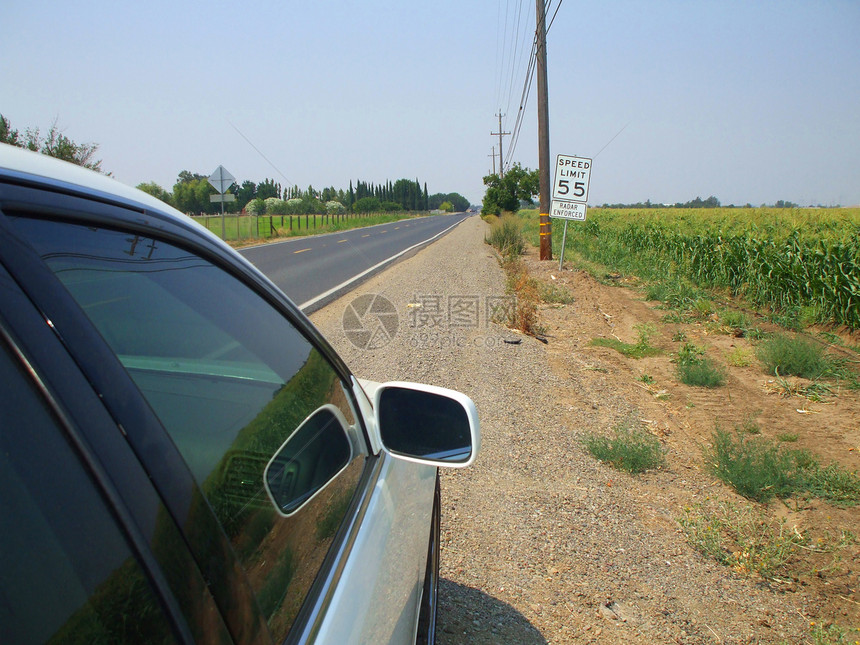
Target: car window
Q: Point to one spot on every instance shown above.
(231, 380)
(67, 574)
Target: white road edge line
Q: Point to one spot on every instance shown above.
(346, 283)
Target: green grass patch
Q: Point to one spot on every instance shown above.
(676, 294)
(794, 356)
(740, 357)
(695, 369)
(756, 468)
(835, 484)
(735, 319)
(760, 469)
(630, 449)
(639, 349)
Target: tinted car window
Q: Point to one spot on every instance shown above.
(231, 380)
(67, 574)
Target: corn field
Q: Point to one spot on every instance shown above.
(775, 258)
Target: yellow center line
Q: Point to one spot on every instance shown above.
(302, 251)
(342, 241)
(367, 235)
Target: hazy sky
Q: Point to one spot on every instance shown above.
(748, 101)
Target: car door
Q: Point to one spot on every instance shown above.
(209, 377)
(87, 553)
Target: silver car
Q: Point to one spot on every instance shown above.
(183, 458)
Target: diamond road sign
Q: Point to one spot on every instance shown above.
(221, 180)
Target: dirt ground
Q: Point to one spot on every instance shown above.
(685, 417)
(541, 542)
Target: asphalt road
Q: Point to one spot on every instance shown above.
(316, 269)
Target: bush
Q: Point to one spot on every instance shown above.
(334, 208)
(794, 356)
(506, 235)
(756, 468)
(696, 370)
(632, 450)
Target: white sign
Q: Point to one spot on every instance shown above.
(572, 176)
(227, 197)
(221, 180)
(567, 210)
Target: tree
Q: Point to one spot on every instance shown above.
(7, 134)
(268, 189)
(191, 193)
(506, 193)
(55, 144)
(156, 191)
(367, 205)
(245, 193)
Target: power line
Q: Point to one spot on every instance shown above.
(558, 6)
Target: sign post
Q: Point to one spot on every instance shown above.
(221, 181)
(570, 192)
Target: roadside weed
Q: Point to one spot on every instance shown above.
(760, 469)
(832, 634)
(695, 369)
(754, 467)
(835, 484)
(740, 357)
(506, 235)
(794, 356)
(788, 437)
(640, 349)
(632, 450)
(553, 294)
(742, 537)
(735, 319)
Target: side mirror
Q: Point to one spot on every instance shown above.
(308, 460)
(427, 424)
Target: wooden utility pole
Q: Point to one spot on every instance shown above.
(500, 133)
(543, 135)
(493, 155)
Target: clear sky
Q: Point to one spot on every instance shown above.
(748, 101)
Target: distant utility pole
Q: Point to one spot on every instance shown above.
(543, 135)
(494, 159)
(501, 134)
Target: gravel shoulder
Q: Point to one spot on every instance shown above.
(541, 543)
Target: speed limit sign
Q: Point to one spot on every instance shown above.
(572, 175)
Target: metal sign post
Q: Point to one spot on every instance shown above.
(221, 180)
(563, 240)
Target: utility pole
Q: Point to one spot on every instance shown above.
(493, 155)
(543, 135)
(501, 134)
